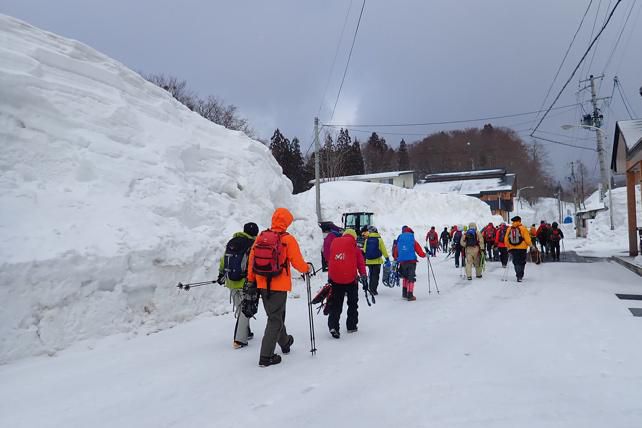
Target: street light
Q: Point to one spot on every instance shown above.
(518, 192)
(608, 179)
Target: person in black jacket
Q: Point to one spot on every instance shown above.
(554, 238)
(445, 239)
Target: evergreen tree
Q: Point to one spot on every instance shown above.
(377, 156)
(298, 165)
(402, 155)
(356, 159)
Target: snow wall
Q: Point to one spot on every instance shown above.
(112, 192)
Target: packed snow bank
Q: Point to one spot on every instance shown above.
(111, 191)
(394, 207)
(601, 240)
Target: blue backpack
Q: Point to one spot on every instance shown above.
(406, 247)
(372, 249)
(471, 238)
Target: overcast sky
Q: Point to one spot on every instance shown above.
(414, 60)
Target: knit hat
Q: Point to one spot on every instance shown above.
(251, 229)
(350, 232)
(516, 218)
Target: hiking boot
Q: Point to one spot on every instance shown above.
(470, 278)
(238, 345)
(478, 276)
(457, 266)
(269, 361)
(404, 293)
(335, 333)
(286, 349)
(519, 279)
(353, 330)
(250, 336)
(411, 297)
(373, 292)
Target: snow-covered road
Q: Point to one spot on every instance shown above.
(558, 351)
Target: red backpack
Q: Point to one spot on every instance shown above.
(342, 265)
(555, 235)
(270, 254)
(490, 234)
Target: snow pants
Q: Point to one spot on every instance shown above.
(503, 255)
(242, 327)
(444, 245)
(544, 244)
(275, 328)
(459, 252)
(408, 274)
(473, 258)
(433, 250)
(336, 305)
(555, 249)
(373, 277)
(519, 261)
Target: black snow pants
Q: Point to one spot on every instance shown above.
(555, 249)
(459, 251)
(373, 277)
(503, 255)
(336, 305)
(519, 261)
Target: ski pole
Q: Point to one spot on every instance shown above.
(431, 270)
(313, 348)
(186, 287)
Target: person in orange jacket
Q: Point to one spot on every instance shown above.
(274, 299)
(518, 241)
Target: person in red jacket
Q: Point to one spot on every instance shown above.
(345, 262)
(432, 239)
(501, 246)
(489, 233)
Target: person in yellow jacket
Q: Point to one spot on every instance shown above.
(375, 252)
(518, 241)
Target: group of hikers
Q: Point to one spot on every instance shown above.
(260, 264)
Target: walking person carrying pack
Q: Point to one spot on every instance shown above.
(273, 255)
(232, 272)
(554, 240)
(345, 266)
(445, 239)
(405, 253)
(432, 241)
(501, 246)
(518, 241)
(458, 249)
(375, 252)
(473, 242)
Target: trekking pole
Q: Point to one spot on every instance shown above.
(186, 287)
(313, 348)
(431, 270)
(428, 266)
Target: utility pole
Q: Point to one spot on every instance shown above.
(597, 123)
(317, 167)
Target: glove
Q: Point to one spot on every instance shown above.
(221, 278)
(364, 282)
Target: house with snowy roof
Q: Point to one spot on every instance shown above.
(626, 158)
(405, 179)
(496, 187)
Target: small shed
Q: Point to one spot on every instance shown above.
(626, 158)
(582, 217)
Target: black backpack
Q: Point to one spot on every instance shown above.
(237, 252)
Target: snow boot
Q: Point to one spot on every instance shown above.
(470, 278)
(478, 276)
(335, 333)
(250, 336)
(238, 345)
(404, 293)
(519, 279)
(353, 330)
(269, 361)
(286, 349)
(411, 297)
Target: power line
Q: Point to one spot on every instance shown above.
(334, 60)
(446, 122)
(565, 56)
(562, 143)
(624, 99)
(578, 65)
(595, 51)
(628, 15)
(345, 72)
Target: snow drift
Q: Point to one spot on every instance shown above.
(110, 192)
